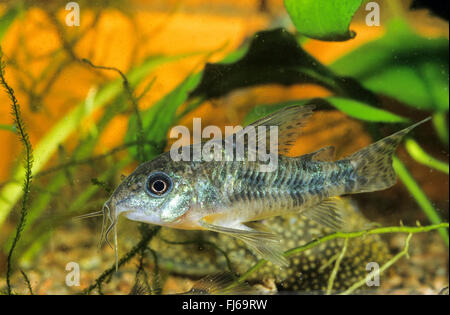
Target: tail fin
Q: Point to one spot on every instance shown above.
(373, 164)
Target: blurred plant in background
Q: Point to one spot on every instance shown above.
(100, 98)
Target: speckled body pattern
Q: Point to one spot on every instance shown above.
(223, 196)
(308, 271)
(239, 191)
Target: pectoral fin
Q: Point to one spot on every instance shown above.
(327, 213)
(266, 245)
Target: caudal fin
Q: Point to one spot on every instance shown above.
(373, 164)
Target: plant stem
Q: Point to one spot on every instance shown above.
(11, 192)
(125, 258)
(440, 124)
(392, 261)
(336, 267)
(24, 138)
(345, 235)
(419, 196)
(418, 154)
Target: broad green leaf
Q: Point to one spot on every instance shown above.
(323, 19)
(275, 57)
(402, 65)
(363, 111)
(352, 108)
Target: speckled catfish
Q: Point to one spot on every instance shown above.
(232, 197)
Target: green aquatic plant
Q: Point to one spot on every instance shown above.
(440, 123)
(352, 108)
(420, 197)
(384, 66)
(155, 122)
(323, 19)
(132, 99)
(147, 236)
(47, 146)
(8, 18)
(418, 154)
(25, 139)
(348, 235)
(382, 269)
(275, 57)
(356, 81)
(27, 281)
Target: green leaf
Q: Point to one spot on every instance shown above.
(402, 65)
(11, 128)
(419, 154)
(323, 19)
(352, 108)
(8, 18)
(275, 57)
(364, 112)
(441, 126)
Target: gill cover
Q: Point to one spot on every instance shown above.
(175, 207)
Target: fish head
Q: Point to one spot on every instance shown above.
(157, 192)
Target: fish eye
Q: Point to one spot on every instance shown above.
(158, 184)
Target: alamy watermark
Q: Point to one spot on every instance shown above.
(373, 17)
(240, 144)
(73, 16)
(374, 273)
(73, 275)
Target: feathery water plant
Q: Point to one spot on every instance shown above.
(24, 138)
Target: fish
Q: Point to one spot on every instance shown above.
(196, 254)
(232, 197)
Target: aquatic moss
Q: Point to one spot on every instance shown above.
(24, 138)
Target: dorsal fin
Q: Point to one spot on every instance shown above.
(289, 121)
(325, 154)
